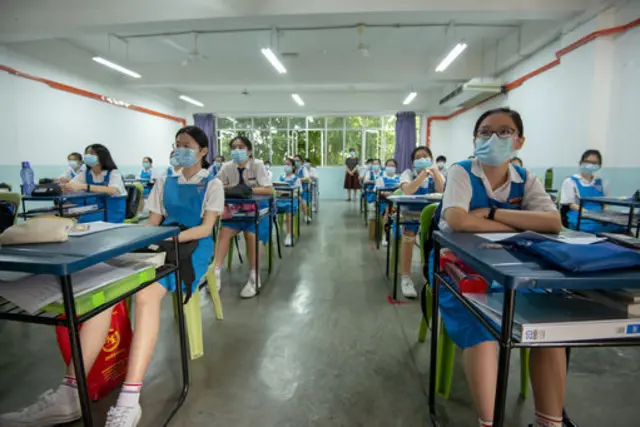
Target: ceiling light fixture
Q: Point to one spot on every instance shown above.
(191, 101)
(116, 67)
(268, 53)
(410, 98)
(298, 100)
(455, 52)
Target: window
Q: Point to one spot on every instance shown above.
(299, 138)
(354, 141)
(297, 123)
(226, 122)
(354, 122)
(279, 122)
(261, 123)
(224, 138)
(260, 140)
(315, 147)
(279, 147)
(244, 123)
(335, 150)
(372, 144)
(335, 122)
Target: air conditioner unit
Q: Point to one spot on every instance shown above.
(475, 90)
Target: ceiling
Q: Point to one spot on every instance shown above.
(336, 65)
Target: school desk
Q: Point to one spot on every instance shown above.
(59, 201)
(293, 193)
(625, 219)
(514, 270)
(64, 259)
(379, 197)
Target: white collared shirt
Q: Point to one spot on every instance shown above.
(570, 194)
(213, 196)
(254, 174)
(115, 180)
(458, 191)
(69, 173)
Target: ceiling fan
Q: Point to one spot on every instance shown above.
(192, 55)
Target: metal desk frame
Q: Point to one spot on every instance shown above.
(59, 201)
(631, 204)
(291, 191)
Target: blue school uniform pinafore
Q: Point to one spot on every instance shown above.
(463, 328)
(389, 181)
(428, 186)
(305, 185)
(183, 204)
(171, 172)
(146, 175)
(213, 170)
(116, 205)
(588, 225)
(283, 204)
(369, 188)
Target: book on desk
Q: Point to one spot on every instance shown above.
(557, 317)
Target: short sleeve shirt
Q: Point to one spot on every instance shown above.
(570, 194)
(115, 180)
(254, 174)
(213, 196)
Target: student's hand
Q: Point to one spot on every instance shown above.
(71, 187)
(481, 213)
(424, 174)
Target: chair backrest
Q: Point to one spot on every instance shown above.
(548, 179)
(134, 200)
(9, 204)
(563, 209)
(426, 219)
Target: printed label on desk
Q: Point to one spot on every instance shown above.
(633, 329)
(534, 335)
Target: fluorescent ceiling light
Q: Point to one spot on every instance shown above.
(410, 98)
(455, 52)
(268, 53)
(116, 67)
(297, 98)
(191, 101)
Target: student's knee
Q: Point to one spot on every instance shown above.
(408, 236)
(226, 234)
(150, 295)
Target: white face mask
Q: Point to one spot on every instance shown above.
(441, 165)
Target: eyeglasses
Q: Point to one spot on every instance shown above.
(502, 133)
(176, 146)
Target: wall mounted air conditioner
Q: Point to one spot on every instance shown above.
(475, 90)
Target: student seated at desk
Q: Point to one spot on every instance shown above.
(267, 168)
(303, 174)
(441, 162)
(490, 195)
(244, 169)
(313, 174)
(517, 161)
(370, 179)
(193, 199)
(216, 166)
(424, 178)
(76, 166)
(147, 175)
(174, 168)
(586, 184)
(388, 179)
(102, 176)
(284, 204)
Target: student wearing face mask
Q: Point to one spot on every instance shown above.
(388, 179)
(76, 166)
(284, 204)
(370, 177)
(586, 184)
(423, 178)
(102, 176)
(351, 182)
(490, 195)
(216, 166)
(441, 162)
(244, 169)
(313, 175)
(147, 175)
(305, 196)
(267, 168)
(174, 162)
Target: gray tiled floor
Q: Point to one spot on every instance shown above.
(321, 346)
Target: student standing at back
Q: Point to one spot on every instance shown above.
(490, 195)
(586, 184)
(102, 176)
(76, 166)
(423, 178)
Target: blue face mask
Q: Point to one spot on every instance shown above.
(288, 169)
(307, 165)
(217, 164)
(298, 163)
(420, 164)
(238, 155)
(390, 170)
(146, 165)
(73, 164)
(370, 167)
(376, 168)
(588, 168)
(90, 160)
(495, 150)
(174, 161)
(186, 157)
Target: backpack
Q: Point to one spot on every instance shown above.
(7, 215)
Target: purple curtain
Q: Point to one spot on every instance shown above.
(207, 122)
(405, 139)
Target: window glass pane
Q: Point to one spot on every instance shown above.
(279, 122)
(372, 122)
(354, 141)
(315, 147)
(299, 139)
(225, 122)
(335, 155)
(372, 148)
(297, 121)
(335, 122)
(418, 121)
(279, 147)
(243, 123)
(260, 140)
(388, 148)
(315, 122)
(354, 122)
(261, 123)
(224, 138)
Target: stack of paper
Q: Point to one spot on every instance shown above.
(94, 227)
(571, 238)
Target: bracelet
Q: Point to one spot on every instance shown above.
(492, 214)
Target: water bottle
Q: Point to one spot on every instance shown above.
(28, 179)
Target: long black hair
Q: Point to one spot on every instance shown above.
(199, 137)
(515, 116)
(75, 155)
(591, 152)
(247, 143)
(423, 148)
(103, 155)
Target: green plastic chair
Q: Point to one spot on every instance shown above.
(548, 179)
(446, 347)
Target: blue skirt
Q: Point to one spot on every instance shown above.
(250, 227)
(284, 206)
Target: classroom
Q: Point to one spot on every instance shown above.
(320, 214)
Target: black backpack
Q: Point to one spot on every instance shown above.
(133, 201)
(7, 215)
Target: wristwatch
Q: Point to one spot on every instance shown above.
(492, 214)
(88, 188)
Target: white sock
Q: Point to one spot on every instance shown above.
(544, 420)
(129, 395)
(69, 386)
(218, 270)
(485, 423)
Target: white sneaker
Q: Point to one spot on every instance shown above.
(408, 290)
(250, 289)
(50, 409)
(288, 241)
(385, 243)
(218, 273)
(123, 416)
(308, 219)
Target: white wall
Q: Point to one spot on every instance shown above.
(590, 100)
(42, 125)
